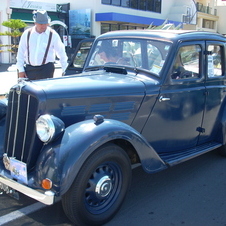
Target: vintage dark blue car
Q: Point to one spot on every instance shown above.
(151, 98)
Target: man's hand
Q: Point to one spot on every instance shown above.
(22, 74)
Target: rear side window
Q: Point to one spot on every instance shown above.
(215, 59)
(187, 63)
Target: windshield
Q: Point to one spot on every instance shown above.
(136, 53)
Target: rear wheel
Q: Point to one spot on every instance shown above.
(99, 188)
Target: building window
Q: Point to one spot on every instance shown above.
(130, 27)
(105, 27)
(157, 5)
(134, 4)
(208, 24)
(146, 5)
(114, 27)
(125, 3)
(123, 27)
(142, 5)
(106, 2)
(116, 2)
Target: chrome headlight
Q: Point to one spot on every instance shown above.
(49, 127)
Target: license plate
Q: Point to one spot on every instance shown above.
(18, 170)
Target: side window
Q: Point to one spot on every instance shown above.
(82, 53)
(186, 65)
(215, 53)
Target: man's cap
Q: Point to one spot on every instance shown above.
(41, 17)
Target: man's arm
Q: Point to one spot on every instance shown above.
(60, 52)
(22, 50)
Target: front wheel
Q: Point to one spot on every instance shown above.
(99, 188)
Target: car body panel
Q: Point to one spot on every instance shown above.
(72, 153)
(143, 104)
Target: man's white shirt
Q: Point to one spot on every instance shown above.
(37, 47)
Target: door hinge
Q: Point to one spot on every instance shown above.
(206, 93)
(208, 52)
(200, 129)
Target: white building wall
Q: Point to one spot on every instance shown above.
(220, 3)
(97, 7)
(221, 28)
(4, 16)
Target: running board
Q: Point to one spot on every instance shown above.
(175, 158)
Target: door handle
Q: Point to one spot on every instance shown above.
(163, 99)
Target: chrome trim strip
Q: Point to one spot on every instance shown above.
(25, 128)
(10, 124)
(46, 197)
(16, 127)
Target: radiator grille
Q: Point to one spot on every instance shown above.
(21, 140)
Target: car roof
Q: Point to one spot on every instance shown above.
(170, 35)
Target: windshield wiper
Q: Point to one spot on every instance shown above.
(119, 70)
(110, 68)
(96, 68)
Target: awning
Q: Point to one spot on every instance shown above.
(27, 17)
(126, 18)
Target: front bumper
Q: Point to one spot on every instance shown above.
(46, 197)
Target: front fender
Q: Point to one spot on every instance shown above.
(68, 154)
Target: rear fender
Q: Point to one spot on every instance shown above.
(82, 139)
(221, 133)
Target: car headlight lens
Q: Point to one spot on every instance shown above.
(48, 127)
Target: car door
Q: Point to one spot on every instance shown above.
(175, 121)
(215, 89)
(79, 57)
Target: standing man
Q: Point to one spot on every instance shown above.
(38, 49)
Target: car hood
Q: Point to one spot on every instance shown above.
(80, 97)
(91, 84)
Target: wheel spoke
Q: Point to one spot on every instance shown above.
(102, 186)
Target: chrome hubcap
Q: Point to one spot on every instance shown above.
(103, 187)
